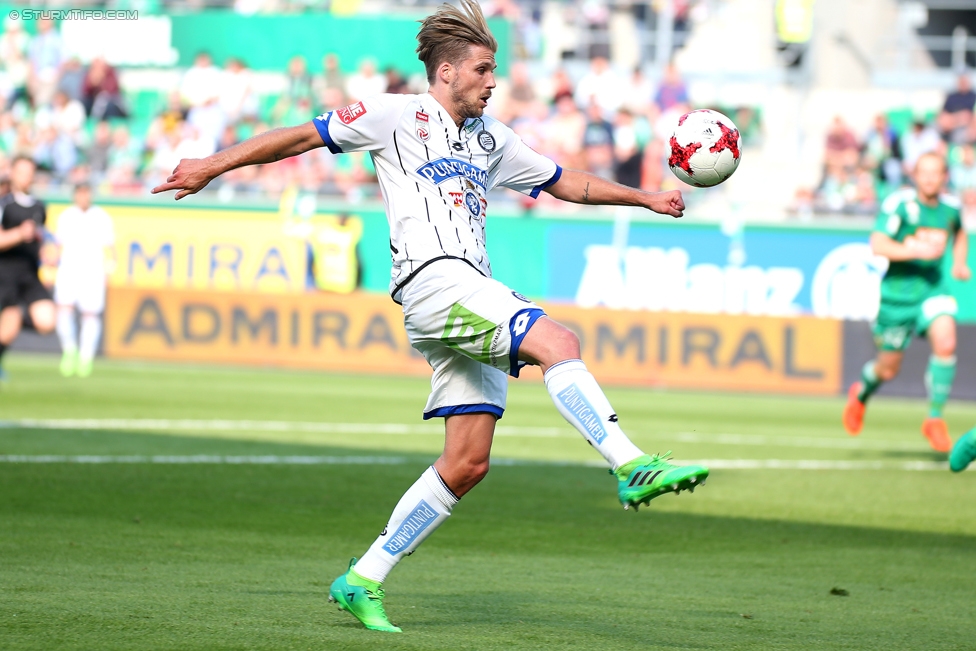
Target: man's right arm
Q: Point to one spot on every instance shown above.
(9, 238)
(888, 247)
(193, 174)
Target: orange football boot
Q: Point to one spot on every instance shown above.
(937, 432)
(854, 411)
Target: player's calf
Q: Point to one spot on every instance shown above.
(423, 508)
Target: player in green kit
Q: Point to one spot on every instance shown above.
(913, 231)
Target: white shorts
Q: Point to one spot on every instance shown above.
(469, 328)
(86, 292)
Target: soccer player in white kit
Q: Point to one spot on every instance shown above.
(86, 239)
(436, 157)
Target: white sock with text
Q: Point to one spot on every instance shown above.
(422, 509)
(582, 403)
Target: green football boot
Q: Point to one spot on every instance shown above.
(85, 366)
(363, 598)
(69, 363)
(963, 452)
(647, 477)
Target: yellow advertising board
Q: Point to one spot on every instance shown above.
(186, 248)
(352, 332)
(709, 351)
(364, 332)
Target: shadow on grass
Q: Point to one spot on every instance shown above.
(575, 504)
(540, 556)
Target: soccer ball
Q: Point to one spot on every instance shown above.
(704, 148)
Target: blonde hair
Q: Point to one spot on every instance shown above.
(448, 33)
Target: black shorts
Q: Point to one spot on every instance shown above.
(21, 287)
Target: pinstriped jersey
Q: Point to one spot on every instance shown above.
(434, 175)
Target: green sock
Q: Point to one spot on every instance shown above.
(938, 381)
(869, 381)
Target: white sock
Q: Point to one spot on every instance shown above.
(91, 331)
(65, 326)
(581, 402)
(422, 509)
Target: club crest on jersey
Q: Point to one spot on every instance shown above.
(351, 113)
(443, 169)
(486, 141)
(472, 203)
(423, 126)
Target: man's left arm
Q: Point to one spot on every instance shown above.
(960, 256)
(582, 187)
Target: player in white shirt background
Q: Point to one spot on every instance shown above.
(86, 239)
(436, 157)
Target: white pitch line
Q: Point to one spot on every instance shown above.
(400, 429)
(167, 424)
(849, 443)
(713, 464)
(814, 464)
(268, 459)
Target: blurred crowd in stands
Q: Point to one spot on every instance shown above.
(75, 122)
(860, 171)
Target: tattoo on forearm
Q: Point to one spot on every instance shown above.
(586, 192)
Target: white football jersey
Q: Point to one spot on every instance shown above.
(84, 236)
(435, 176)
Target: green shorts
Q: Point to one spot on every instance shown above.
(897, 322)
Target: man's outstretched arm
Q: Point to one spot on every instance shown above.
(888, 247)
(583, 187)
(193, 174)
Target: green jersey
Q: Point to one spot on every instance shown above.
(904, 218)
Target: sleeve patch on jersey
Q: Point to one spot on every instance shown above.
(539, 188)
(322, 126)
(351, 113)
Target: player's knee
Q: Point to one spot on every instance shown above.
(887, 372)
(43, 321)
(567, 344)
(475, 471)
(944, 346)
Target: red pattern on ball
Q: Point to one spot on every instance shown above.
(681, 156)
(729, 140)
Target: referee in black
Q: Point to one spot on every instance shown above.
(21, 222)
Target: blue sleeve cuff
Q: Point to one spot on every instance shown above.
(322, 126)
(539, 188)
(483, 408)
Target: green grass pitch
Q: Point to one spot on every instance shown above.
(133, 553)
